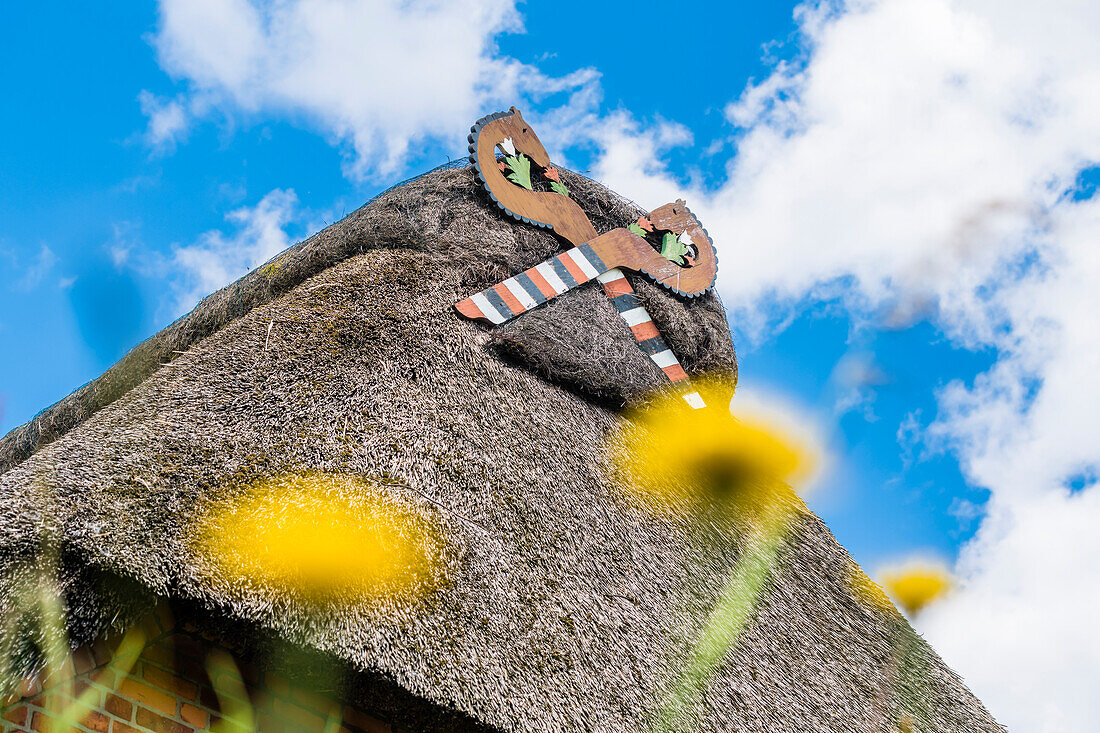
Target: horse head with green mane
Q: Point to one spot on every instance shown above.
(511, 133)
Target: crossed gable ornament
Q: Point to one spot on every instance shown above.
(669, 245)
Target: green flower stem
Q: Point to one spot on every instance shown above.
(909, 676)
(233, 700)
(728, 619)
(54, 633)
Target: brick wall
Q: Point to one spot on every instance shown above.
(173, 686)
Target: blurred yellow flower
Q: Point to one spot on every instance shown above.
(330, 537)
(867, 591)
(675, 457)
(916, 584)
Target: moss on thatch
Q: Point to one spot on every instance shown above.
(564, 607)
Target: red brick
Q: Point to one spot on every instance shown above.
(30, 686)
(16, 715)
(278, 684)
(96, 721)
(170, 682)
(83, 660)
(56, 705)
(261, 697)
(220, 666)
(250, 672)
(187, 645)
(297, 714)
(231, 725)
(207, 698)
(193, 715)
(150, 627)
(159, 654)
(320, 701)
(105, 677)
(191, 669)
(232, 691)
(158, 723)
(82, 689)
(118, 727)
(50, 701)
(269, 723)
(63, 673)
(364, 722)
(102, 652)
(165, 618)
(40, 723)
(119, 708)
(257, 692)
(148, 696)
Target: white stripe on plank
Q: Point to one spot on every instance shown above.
(551, 277)
(664, 358)
(695, 401)
(593, 259)
(634, 316)
(521, 293)
(487, 308)
(611, 276)
(582, 262)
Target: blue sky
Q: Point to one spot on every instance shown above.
(901, 194)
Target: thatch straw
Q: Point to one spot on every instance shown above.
(563, 606)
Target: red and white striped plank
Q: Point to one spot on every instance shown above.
(645, 332)
(534, 286)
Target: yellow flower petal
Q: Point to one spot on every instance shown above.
(322, 537)
(916, 584)
(867, 591)
(672, 456)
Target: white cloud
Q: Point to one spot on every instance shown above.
(168, 121)
(125, 242)
(376, 75)
(217, 259)
(915, 161)
(1022, 629)
(965, 511)
(34, 273)
(855, 379)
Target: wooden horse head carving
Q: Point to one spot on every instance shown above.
(555, 210)
(687, 282)
(541, 208)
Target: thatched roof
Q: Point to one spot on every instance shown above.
(564, 607)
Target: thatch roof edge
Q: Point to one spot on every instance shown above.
(260, 286)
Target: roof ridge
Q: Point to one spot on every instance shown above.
(259, 286)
